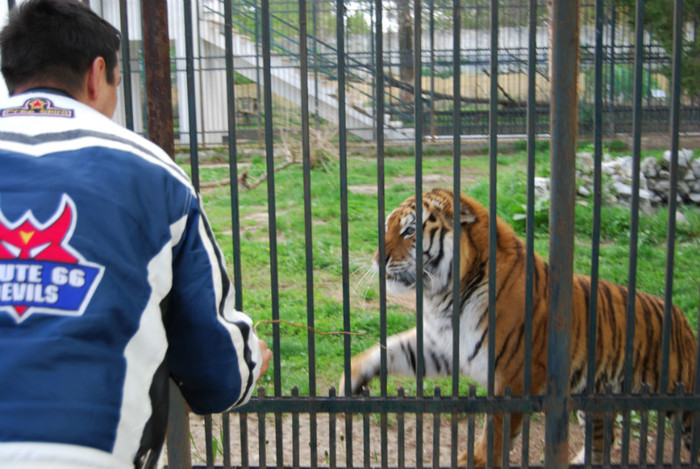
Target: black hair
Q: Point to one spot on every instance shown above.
(55, 40)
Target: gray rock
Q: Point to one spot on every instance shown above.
(683, 188)
(541, 187)
(684, 157)
(585, 160)
(623, 190)
(646, 195)
(649, 167)
(695, 165)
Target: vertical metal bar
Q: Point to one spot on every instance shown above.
(306, 155)
(209, 444)
(365, 434)
(313, 440)
(456, 225)
(418, 144)
(331, 435)
(233, 156)
(670, 238)
(243, 425)
(611, 98)
(200, 72)
(381, 209)
(432, 67)
(597, 204)
(272, 218)
(269, 147)
(401, 435)
(672, 202)
(342, 150)
(607, 438)
(376, 52)
(126, 66)
(677, 429)
(493, 155)
(634, 221)
(226, 437)
(179, 453)
(660, 438)
(295, 433)
(262, 447)
(308, 239)
(563, 122)
(436, 433)
(530, 222)
(384, 443)
(470, 432)
(505, 448)
(493, 236)
(597, 196)
(191, 105)
(316, 61)
(643, 430)
(372, 59)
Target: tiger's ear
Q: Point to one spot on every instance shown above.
(466, 217)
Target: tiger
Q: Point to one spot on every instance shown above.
(474, 265)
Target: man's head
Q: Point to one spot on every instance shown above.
(61, 44)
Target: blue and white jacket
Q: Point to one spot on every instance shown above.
(110, 283)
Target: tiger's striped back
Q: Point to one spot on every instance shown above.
(510, 264)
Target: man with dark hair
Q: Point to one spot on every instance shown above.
(110, 279)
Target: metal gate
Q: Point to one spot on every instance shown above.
(318, 428)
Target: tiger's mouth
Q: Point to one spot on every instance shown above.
(400, 281)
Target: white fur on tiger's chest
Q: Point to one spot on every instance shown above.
(473, 346)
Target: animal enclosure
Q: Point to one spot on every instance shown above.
(411, 423)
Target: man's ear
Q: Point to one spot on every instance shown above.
(95, 74)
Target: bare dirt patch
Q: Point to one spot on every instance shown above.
(367, 441)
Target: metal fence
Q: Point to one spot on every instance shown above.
(301, 430)
(295, 430)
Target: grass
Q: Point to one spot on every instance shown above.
(362, 286)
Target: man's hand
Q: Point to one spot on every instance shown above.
(266, 355)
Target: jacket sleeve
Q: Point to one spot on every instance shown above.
(213, 352)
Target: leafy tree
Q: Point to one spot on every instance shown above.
(658, 20)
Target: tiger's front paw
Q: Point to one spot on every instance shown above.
(363, 367)
(356, 383)
(479, 459)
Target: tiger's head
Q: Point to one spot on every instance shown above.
(438, 239)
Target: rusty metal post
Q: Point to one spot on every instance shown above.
(179, 451)
(563, 124)
(156, 55)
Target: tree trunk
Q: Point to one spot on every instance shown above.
(406, 40)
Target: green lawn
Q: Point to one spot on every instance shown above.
(362, 228)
